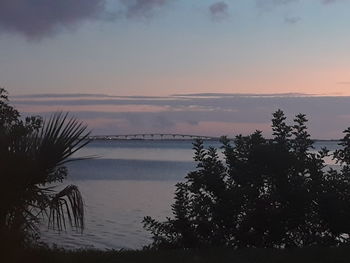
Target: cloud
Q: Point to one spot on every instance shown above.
(142, 8)
(290, 94)
(161, 122)
(192, 114)
(38, 18)
(192, 122)
(343, 83)
(329, 1)
(219, 10)
(61, 95)
(292, 20)
(268, 4)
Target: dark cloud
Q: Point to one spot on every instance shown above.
(38, 18)
(219, 10)
(142, 8)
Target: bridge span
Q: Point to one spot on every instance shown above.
(152, 136)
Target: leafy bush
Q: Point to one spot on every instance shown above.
(32, 157)
(263, 193)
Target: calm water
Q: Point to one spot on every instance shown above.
(125, 182)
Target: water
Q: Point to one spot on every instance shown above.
(126, 181)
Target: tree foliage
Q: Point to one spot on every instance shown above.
(262, 193)
(33, 154)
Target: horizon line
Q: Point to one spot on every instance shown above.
(177, 95)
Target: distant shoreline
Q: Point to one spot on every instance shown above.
(93, 138)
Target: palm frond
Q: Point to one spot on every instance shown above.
(67, 204)
(58, 140)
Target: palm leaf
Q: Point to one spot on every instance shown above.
(57, 141)
(67, 204)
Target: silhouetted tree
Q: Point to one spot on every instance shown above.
(263, 193)
(33, 155)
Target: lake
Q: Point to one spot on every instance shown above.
(125, 181)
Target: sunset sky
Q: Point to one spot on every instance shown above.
(105, 51)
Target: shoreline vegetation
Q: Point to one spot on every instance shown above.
(217, 255)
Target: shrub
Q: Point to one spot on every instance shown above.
(263, 193)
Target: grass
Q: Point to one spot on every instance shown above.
(308, 255)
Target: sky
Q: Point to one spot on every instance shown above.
(129, 66)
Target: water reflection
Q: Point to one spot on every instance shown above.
(114, 211)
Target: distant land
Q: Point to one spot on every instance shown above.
(172, 137)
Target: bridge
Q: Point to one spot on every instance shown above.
(152, 136)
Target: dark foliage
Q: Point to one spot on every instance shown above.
(32, 158)
(263, 193)
(217, 255)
